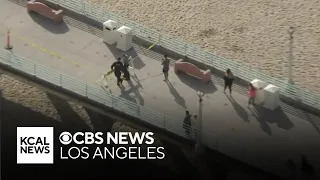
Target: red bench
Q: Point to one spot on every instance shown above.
(55, 15)
(190, 69)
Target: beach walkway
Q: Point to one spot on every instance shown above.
(76, 49)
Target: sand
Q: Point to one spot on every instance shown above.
(253, 32)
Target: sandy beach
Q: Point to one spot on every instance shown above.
(253, 32)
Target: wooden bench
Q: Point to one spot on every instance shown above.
(190, 69)
(55, 15)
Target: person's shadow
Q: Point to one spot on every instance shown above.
(126, 94)
(273, 116)
(239, 109)
(179, 99)
(264, 126)
(137, 93)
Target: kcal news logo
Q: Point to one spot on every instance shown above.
(35, 145)
(117, 145)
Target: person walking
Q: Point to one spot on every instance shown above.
(187, 123)
(252, 91)
(228, 81)
(125, 60)
(165, 67)
(117, 68)
(126, 73)
(126, 66)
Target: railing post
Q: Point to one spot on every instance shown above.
(212, 63)
(61, 80)
(138, 112)
(35, 69)
(112, 101)
(300, 94)
(83, 8)
(86, 90)
(103, 19)
(134, 29)
(108, 15)
(159, 39)
(10, 57)
(237, 70)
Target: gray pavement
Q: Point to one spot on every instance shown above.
(270, 138)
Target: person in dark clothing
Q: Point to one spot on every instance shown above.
(187, 123)
(228, 80)
(125, 61)
(117, 68)
(165, 69)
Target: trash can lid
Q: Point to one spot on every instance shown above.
(110, 24)
(125, 30)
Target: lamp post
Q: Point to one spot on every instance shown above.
(290, 31)
(199, 146)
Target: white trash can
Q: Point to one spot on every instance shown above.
(124, 42)
(110, 35)
(260, 92)
(271, 97)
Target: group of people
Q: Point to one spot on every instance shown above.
(189, 124)
(122, 65)
(228, 81)
(190, 121)
(119, 67)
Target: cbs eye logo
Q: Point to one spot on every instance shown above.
(65, 138)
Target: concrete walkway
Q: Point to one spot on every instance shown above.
(270, 138)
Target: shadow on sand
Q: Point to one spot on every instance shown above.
(67, 114)
(14, 115)
(183, 165)
(100, 122)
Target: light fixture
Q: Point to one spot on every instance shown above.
(200, 94)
